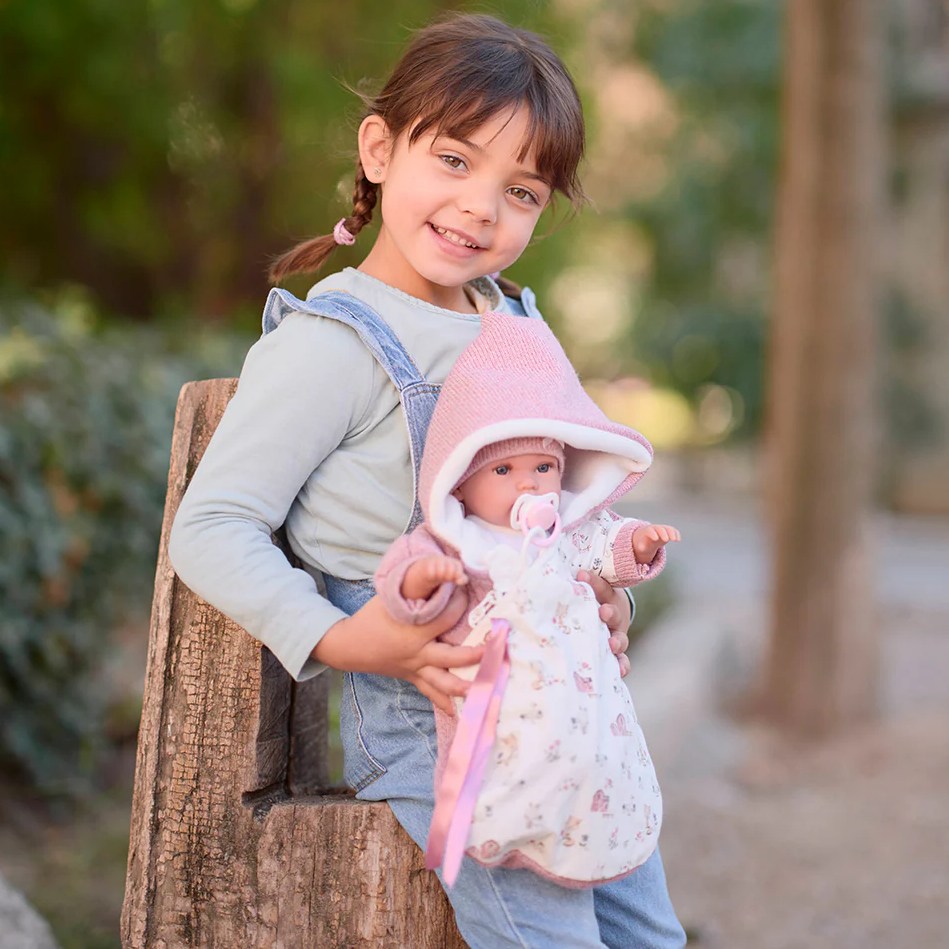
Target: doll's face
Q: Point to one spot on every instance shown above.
(490, 492)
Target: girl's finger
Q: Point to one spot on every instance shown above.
(601, 589)
(437, 698)
(619, 643)
(445, 656)
(444, 683)
(616, 615)
(617, 618)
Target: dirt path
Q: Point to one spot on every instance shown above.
(771, 845)
(845, 846)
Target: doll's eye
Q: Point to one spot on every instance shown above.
(502, 470)
(544, 467)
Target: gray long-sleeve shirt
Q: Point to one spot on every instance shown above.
(314, 438)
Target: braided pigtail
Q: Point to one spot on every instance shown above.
(310, 255)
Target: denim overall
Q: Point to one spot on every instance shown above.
(390, 747)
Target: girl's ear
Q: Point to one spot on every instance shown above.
(375, 147)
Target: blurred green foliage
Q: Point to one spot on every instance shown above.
(164, 151)
(199, 140)
(85, 424)
(705, 301)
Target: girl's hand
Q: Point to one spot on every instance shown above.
(372, 641)
(615, 612)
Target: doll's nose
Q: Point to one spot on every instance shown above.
(527, 483)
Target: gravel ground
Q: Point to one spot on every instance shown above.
(846, 848)
(770, 844)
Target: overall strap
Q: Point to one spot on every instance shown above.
(524, 305)
(371, 327)
(416, 394)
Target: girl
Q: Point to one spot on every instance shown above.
(475, 130)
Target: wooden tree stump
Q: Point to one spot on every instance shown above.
(234, 839)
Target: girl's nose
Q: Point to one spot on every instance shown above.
(479, 200)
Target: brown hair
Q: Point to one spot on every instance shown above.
(456, 74)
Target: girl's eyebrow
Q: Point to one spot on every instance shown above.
(536, 176)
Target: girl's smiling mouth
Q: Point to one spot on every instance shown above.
(453, 237)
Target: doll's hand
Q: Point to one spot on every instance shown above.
(615, 612)
(650, 539)
(372, 641)
(427, 574)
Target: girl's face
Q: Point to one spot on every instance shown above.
(491, 491)
(451, 210)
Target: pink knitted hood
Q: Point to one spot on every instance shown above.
(513, 381)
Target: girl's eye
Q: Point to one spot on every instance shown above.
(453, 161)
(502, 470)
(523, 194)
(543, 467)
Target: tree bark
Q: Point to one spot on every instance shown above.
(225, 849)
(821, 669)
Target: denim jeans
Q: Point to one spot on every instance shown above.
(390, 747)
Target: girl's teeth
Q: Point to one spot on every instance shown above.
(454, 238)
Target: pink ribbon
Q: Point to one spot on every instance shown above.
(457, 792)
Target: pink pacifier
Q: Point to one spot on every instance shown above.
(535, 515)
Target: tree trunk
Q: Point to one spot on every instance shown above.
(822, 665)
(232, 841)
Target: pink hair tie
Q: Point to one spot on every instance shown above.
(341, 235)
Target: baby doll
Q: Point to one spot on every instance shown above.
(489, 492)
(519, 468)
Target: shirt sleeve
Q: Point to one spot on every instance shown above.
(302, 388)
(603, 544)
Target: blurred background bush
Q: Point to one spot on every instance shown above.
(84, 426)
